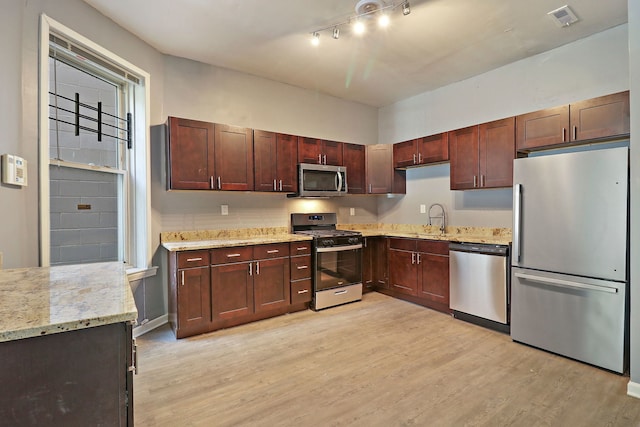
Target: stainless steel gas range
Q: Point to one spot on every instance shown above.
(336, 259)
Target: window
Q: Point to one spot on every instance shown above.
(94, 198)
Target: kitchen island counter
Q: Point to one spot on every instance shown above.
(47, 300)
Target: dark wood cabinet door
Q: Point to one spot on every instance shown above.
(264, 160)
(309, 150)
(601, 117)
(271, 284)
(433, 149)
(542, 128)
(433, 284)
(403, 273)
(463, 150)
(193, 299)
(286, 163)
(497, 152)
(354, 159)
(368, 263)
(332, 153)
(234, 158)
(405, 154)
(231, 290)
(379, 170)
(380, 262)
(190, 152)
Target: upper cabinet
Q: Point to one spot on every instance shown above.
(354, 159)
(598, 118)
(382, 178)
(207, 156)
(482, 155)
(421, 151)
(275, 161)
(190, 154)
(319, 151)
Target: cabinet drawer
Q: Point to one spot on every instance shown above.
(234, 254)
(189, 259)
(301, 267)
(402, 244)
(437, 247)
(276, 250)
(300, 248)
(301, 291)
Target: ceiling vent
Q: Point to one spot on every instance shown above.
(563, 16)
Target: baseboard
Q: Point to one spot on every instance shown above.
(633, 389)
(150, 325)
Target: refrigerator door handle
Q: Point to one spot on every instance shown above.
(566, 283)
(517, 220)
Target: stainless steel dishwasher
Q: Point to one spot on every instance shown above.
(479, 284)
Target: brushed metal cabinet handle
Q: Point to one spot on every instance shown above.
(564, 133)
(182, 278)
(319, 159)
(211, 185)
(232, 255)
(219, 183)
(302, 267)
(257, 267)
(303, 291)
(273, 251)
(250, 269)
(475, 181)
(194, 259)
(414, 159)
(280, 185)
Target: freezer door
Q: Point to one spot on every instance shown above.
(570, 213)
(584, 319)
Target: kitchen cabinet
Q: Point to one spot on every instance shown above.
(319, 151)
(419, 272)
(433, 275)
(354, 159)
(301, 272)
(72, 378)
(271, 287)
(217, 288)
(382, 178)
(190, 154)
(275, 161)
(193, 290)
(482, 155)
(604, 117)
(208, 156)
(374, 263)
(421, 151)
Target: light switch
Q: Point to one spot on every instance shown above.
(224, 209)
(352, 211)
(423, 208)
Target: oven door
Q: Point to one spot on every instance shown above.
(338, 266)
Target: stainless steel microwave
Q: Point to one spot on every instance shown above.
(321, 180)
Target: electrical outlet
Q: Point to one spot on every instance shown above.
(352, 211)
(224, 209)
(423, 208)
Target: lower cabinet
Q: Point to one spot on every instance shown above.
(374, 263)
(223, 287)
(419, 272)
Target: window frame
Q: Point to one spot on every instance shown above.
(136, 215)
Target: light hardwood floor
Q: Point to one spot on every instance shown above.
(378, 362)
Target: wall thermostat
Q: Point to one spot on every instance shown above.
(14, 170)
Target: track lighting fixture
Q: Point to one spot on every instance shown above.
(406, 8)
(367, 11)
(315, 38)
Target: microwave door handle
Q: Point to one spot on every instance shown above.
(338, 181)
(339, 248)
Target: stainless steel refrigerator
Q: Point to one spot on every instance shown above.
(569, 277)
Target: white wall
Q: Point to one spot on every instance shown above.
(591, 67)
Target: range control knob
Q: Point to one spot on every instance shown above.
(353, 240)
(328, 242)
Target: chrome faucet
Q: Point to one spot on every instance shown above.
(442, 216)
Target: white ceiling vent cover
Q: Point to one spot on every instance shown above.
(563, 16)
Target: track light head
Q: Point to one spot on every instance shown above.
(315, 39)
(336, 33)
(406, 8)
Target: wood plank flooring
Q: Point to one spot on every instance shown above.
(378, 362)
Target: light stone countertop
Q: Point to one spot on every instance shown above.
(209, 239)
(47, 300)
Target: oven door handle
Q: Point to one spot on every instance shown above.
(340, 248)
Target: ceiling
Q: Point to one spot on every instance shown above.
(438, 43)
